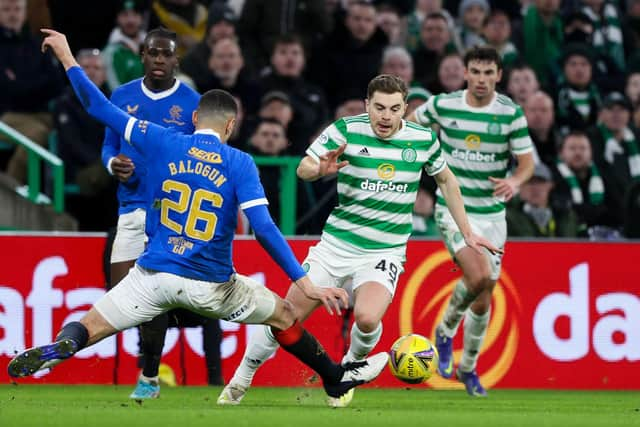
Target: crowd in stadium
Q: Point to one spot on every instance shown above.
(295, 66)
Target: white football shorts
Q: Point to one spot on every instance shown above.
(328, 266)
(130, 238)
(144, 294)
(494, 231)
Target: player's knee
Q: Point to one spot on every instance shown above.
(284, 316)
(366, 322)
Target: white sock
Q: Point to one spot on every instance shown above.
(362, 343)
(475, 329)
(458, 304)
(261, 346)
(150, 380)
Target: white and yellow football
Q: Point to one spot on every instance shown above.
(413, 359)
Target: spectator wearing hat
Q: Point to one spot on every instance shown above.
(221, 23)
(122, 52)
(542, 37)
(186, 18)
(262, 22)
(497, 33)
(308, 100)
(534, 214)
(616, 147)
(274, 105)
(578, 98)
(538, 109)
(472, 15)
(29, 79)
(226, 71)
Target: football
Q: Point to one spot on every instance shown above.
(413, 359)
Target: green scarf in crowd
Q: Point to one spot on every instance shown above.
(631, 145)
(542, 42)
(596, 185)
(607, 33)
(581, 100)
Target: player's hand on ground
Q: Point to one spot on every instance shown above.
(58, 43)
(329, 162)
(476, 243)
(504, 187)
(333, 299)
(122, 167)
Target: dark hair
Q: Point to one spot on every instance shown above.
(216, 103)
(483, 54)
(437, 15)
(493, 13)
(270, 121)
(161, 33)
(386, 83)
(576, 133)
(286, 39)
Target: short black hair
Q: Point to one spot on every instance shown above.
(161, 33)
(271, 121)
(437, 15)
(217, 104)
(483, 54)
(573, 133)
(286, 39)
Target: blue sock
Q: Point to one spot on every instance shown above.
(75, 331)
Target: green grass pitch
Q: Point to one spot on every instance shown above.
(89, 406)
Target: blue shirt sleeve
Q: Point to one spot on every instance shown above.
(273, 241)
(111, 143)
(143, 135)
(249, 190)
(253, 202)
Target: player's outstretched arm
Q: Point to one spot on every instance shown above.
(92, 99)
(334, 299)
(448, 184)
(310, 170)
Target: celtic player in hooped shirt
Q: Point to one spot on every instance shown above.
(379, 158)
(479, 130)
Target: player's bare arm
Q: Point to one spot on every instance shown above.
(509, 187)
(448, 184)
(310, 170)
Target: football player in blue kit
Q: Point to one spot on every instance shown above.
(198, 183)
(161, 98)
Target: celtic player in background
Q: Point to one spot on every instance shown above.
(379, 158)
(479, 131)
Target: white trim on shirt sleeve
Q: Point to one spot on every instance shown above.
(128, 129)
(254, 202)
(109, 166)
